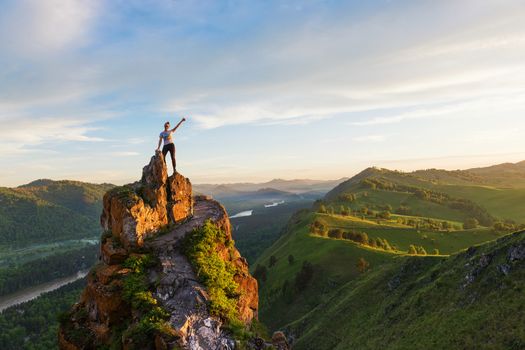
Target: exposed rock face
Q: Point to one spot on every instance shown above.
(133, 211)
(180, 205)
(131, 217)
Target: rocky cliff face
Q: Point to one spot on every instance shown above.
(145, 293)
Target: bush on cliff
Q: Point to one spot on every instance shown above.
(136, 292)
(201, 247)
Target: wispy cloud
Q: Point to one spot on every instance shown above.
(370, 138)
(70, 66)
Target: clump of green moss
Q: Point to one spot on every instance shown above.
(201, 248)
(153, 318)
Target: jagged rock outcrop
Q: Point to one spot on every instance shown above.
(152, 217)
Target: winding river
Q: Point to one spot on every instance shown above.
(32, 292)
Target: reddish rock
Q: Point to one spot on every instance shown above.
(180, 198)
(105, 273)
(103, 302)
(134, 211)
(112, 254)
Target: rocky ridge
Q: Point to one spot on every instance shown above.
(151, 218)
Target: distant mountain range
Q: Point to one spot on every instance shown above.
(292, 186)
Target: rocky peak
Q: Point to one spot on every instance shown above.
(145, 292)
(134, 211)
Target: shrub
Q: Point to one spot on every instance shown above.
(136, 292)
(336, 233)
(470, 223)
(201, 248)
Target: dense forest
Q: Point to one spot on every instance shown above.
(46, 269)
(46, 210)
(34, 325)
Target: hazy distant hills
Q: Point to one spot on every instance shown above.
(47, 210)
(293, 186)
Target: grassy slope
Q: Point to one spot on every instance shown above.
(334, 263)
(335, 260)
(344, 309)
(429, 307)
(502, 202)
(402, 236)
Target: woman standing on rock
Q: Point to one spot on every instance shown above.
(169, 146)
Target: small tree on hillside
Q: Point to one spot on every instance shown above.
(273, 261)
(385, 215)
(362, 265)
(470, 223)
(436, 251)
(421, 250)
(412, 249)
(291, 259)
(322, 209)
(336, 233)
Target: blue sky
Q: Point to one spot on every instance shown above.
(288, 89)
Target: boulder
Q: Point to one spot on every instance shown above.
(180, 198)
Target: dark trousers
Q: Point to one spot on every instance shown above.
(170, 147)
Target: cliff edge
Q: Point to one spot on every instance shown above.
(170, 276)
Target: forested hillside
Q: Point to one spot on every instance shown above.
(47, 211)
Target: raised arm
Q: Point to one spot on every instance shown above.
(160, 142)
(175, 128)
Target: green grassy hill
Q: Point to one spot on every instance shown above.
(334, 261)
(383, 261)
(438, 193)
(472, 300)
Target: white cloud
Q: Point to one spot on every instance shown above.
(18, 133)
(34, 27)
